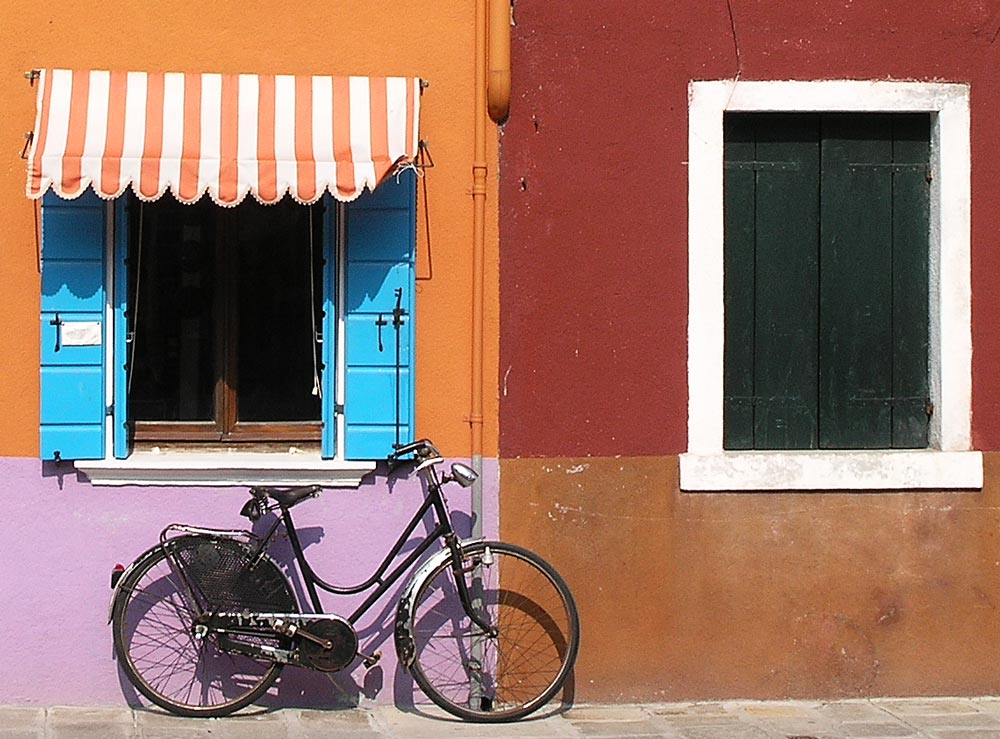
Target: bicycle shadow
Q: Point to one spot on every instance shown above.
(301, 688)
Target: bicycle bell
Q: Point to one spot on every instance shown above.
(463, 474)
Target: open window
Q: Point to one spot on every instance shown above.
(224, 309)
(257, 328)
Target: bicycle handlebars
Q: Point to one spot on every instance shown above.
(421, 449)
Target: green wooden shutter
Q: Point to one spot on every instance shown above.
(873, 302)
(73, 407)
(740, 229)
(381, 249)
(772, 278)
(911, 281)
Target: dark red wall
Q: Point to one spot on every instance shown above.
(593, 198)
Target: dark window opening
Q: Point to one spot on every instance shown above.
(224, 305)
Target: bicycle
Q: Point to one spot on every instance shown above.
(204, 621)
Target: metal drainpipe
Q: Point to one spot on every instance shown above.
(492, 28)
(478, 246)
(498, 85)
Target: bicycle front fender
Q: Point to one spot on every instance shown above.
(404, 611)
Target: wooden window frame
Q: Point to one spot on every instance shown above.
(949, 462)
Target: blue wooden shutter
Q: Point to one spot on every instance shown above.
(119, 416)
(381, 247)
(73, 405)
(328, 379)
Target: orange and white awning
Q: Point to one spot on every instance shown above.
(227, 135)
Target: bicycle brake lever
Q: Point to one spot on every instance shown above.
(428, 462)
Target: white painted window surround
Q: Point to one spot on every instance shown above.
(949, 463)
(225, 468)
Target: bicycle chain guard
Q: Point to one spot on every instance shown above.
(339, 633)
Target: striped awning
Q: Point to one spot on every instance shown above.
(226, 135)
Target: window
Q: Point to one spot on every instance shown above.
(778, 458)
(257, 327)
(826, 286)
(224, 309)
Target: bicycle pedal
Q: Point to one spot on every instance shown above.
(371, 661)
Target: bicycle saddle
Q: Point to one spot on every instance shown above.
(287, 497)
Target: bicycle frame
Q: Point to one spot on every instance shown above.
(382, 580)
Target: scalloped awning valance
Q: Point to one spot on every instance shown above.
(224, 134)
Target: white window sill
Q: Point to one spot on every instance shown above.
(224, 469)
(849, 470)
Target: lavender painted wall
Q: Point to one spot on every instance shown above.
(60, 537)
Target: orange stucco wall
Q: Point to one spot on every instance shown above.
(435, 41)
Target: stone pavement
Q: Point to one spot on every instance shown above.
(927, 718)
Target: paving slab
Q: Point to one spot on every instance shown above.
(22, 722)
(336, 724)
(734, 730)
(617, 728)
(925, 706)
(429, 724)
(689, 709)
(883, 730)
(964, 734)
(955, 721)
(853, 711)
(75, 722)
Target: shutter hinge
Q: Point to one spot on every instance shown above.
(338, 409)
(109, 410)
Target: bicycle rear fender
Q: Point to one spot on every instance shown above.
(404, 611)
(124, 576)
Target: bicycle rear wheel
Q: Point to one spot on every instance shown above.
(156, 642)
(494, 678)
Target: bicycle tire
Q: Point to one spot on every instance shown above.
(152, 619)
(479, 678)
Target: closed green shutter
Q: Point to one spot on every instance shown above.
(380, 254)
(771, 210)
(826, 286)
(73, 331)
(911, 281)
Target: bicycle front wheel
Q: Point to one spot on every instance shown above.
(502, 677)
(177, 666)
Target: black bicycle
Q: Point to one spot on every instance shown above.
(205, 620)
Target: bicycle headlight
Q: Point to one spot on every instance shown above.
(463, 474)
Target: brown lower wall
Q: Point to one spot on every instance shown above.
(707, 596)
